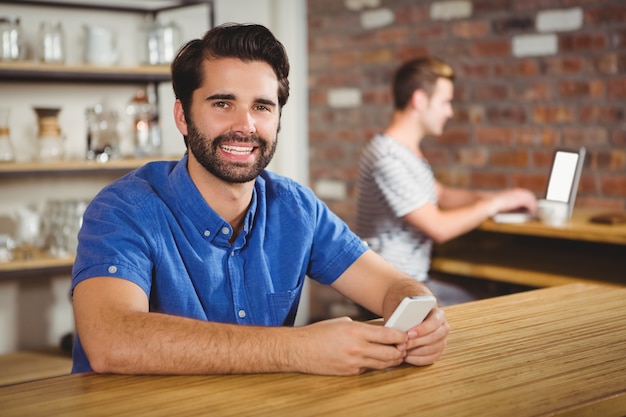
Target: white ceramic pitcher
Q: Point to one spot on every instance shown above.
(100, 46)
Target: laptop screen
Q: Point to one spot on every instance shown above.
(564, 176)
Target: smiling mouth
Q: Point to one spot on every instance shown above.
(237, 150)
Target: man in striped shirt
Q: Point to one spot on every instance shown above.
(402, 208)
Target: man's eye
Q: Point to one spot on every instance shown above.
(220, 104)
(261, 107)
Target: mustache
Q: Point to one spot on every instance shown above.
(252, 139)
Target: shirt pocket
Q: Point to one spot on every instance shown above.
(284, 306)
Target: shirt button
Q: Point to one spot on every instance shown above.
(225, 230)
(241, 314)
(232, 254)
(207, 233)
(112, 269)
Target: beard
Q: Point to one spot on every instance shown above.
(207, 152)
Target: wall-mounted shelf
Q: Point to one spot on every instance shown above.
(34, 71)
(70, 167)
(42, 264)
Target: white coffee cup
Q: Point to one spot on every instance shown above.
(552, 213)
(100, 46)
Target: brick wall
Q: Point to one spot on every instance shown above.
(533, 75)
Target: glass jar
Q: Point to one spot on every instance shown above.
(145, 127)
(103, 134)
(161, 42)
(51, 43)
(12, 47)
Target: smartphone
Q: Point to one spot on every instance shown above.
(411, 312)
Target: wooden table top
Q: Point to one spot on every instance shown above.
(28, 366)
(578, 228)
(554, 351)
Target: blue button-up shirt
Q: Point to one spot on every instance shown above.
(152, 227)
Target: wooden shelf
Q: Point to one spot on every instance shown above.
(35, 71)
(41, 264)
(30, 169)
(536, 261)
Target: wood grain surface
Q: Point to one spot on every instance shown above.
(554, 351)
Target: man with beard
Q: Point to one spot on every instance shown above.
(197, 266)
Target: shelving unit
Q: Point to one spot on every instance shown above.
(42, 73)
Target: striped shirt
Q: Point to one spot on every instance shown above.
(393, 182)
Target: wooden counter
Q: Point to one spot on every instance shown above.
(556, 351)
(537, 255)
(28, 366)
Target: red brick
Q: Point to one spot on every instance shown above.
(454, 136)
(611, 63)
(577, 42)
(344, 59)
(430, 32)
(542, 158)
(488, 180)
(562, 65)
(470, 29)
(509, 158)
(606, 14)
(538, 91)
(491, 48)
(601, 113)
(590, 136)
(617, 88)
(486, 92)
(377, 56)
(513, 24)
(410, 52)
(573, 89)
(553, 114)
(413, 13)
(618, 138)
(493, 135)
(536, 136)
(473, 157)
(472, 69)
(391, 36)
(612, 160)
(614, 185)
(506, 114)
(516, 68)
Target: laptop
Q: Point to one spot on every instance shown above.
(567, 165)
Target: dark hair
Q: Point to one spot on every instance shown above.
(248, 42)
(418, 74)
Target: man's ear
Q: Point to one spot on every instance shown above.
(179, 117)
(419, 100)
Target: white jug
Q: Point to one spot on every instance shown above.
(100, 46)
(27, 231)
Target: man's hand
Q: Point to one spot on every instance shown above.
(345, 347)
(427, 340)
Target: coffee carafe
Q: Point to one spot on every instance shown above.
(49, 140)
(6, 149)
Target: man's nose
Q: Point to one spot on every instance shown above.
(244, 123)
